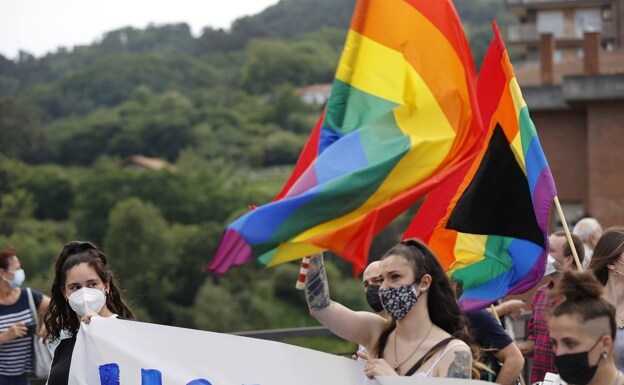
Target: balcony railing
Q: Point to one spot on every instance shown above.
(525, 33)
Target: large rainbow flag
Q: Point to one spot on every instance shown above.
(401, 117)
(488, 222)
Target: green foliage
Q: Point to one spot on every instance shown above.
(52, 189)
(138, 236)
(15, 207)
(21, 133)
(38, 244)
(171, 39)
(477, 16)
(272, 63)
(224, 111)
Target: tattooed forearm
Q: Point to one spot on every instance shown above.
(317, 289)
(460, 367)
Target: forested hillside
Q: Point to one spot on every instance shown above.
(222, 109)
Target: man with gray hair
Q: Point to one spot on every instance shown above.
(588, 230)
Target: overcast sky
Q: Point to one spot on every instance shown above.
(41, 26)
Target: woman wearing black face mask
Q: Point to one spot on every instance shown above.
(425, 335)
(582, 330)
(372, 281)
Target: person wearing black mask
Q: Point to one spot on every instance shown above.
(582, 330)
(372, 281)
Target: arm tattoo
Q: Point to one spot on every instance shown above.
(317, 289)
(460, 367)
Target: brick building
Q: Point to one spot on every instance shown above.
(577, 105)
(567, 21)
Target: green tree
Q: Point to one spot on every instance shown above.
(272, 63)
(38, 243)
(21, 134)
(140, 248)
(15, 207)
(282, 148)
(52, 189)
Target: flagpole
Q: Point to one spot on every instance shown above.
(579, 266)
(495, 314)
(303, 273)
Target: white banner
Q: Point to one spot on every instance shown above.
(111, 352)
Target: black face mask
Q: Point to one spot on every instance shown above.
(372, 297)
(574, 368)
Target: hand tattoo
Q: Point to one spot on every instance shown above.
(317, 289)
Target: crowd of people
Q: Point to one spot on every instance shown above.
(415, 328)
(575, 330)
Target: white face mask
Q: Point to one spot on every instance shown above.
(550, 266)
(87, 299)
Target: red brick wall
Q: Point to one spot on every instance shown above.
(562, 135)
(605, 122)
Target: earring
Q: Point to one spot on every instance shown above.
(604, 356)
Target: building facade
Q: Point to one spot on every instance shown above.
(577, 106)
(567, 21)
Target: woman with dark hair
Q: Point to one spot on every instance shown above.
(17, 326)
(582, 331)
(427, 334)
(83, 287)
(607, 264)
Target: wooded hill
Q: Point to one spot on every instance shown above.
(222, 109)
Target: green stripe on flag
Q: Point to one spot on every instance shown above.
(349, 108)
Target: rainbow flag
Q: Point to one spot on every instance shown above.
(402, 116)
(488, 222)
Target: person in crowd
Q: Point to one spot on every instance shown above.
(502, 356)
(16, 321)
(589, 230)
(607, 264)
(372, 280)
(582, 331)
(83, 287)
(426, 333)
(512, 308)
(538, 344)
(506, 312)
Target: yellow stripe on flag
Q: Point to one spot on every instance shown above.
(469, 249)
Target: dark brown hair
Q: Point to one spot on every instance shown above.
(567, 249)
(59, 315)
(442, 305)
(608, 249)
(5, 255)
(578, 292)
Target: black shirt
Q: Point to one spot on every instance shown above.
(491, 336)
(59, 371)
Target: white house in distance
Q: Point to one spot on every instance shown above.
(315, 94)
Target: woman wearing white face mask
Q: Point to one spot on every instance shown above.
(16, 355)
(83, 287)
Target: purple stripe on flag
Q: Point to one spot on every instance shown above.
(542, 198)
(233, 251)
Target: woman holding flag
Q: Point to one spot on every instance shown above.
(426, 334)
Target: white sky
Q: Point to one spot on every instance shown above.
(41, 26)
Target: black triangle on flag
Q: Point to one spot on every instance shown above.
(498, 200)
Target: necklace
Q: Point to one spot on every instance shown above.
(397, 365)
